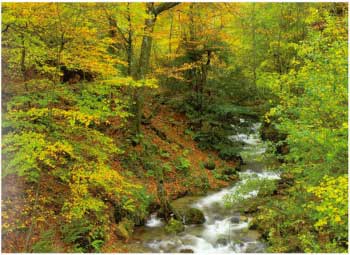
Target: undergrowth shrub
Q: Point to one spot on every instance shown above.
(45, 243)
(183, 165)
(68, 142)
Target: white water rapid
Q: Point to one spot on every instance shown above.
(225, 230)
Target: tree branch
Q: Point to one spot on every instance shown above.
(163, 7)
(113, 23)
(6, 28)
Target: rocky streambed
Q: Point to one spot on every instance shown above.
(221, 229)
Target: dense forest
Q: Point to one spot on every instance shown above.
(113, 112)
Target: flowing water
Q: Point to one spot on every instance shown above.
(225, 229)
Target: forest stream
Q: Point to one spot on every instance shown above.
(225, 229)
(174, 127)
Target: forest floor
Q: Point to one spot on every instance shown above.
(166, 130)
(172, 138)
(173, 125)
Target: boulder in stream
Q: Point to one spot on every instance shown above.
(222, 241)
(193, 216)
(235, 219)
(174, 226)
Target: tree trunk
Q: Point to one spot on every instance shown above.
(129, 42)
(165, 208)
(141, 73)
(143, 65)
(145, 54)
(23, 65)
(254, 66)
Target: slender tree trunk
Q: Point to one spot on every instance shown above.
(143, 64)
(23, 65)
(142, 70)
(145, 54)
(129, 42)
(170, 33)
(254, 66)
(33, 222)
(165, 208)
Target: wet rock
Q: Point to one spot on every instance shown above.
(217, 217)
(235, 219)
(193, 216)
(246, 239)
(251, 248)
(186, 251)
(174, 226)
(222, 241)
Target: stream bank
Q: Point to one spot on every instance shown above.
(226, 229)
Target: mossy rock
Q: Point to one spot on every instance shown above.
(193, 216)
(174, 226)
(222, 241)
(125, 228)
(210, 165)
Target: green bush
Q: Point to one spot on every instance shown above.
(201, 183)
(45, 243)
(220, 176)
(264, 187)
(82, 235)
(183, 165)
(229, 152)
